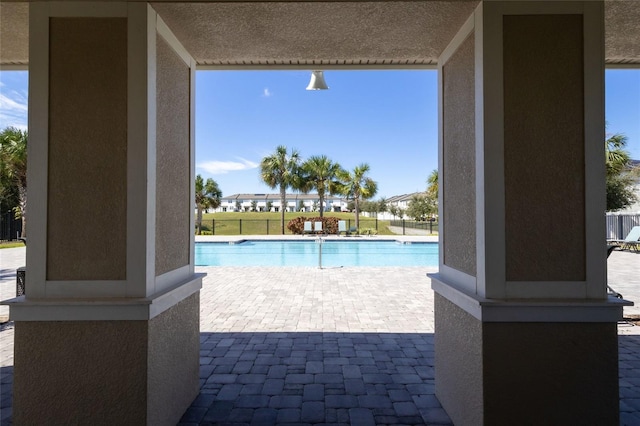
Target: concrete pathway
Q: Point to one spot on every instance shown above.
(337, 346)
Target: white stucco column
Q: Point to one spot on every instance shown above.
(524, 328)
(108, 332)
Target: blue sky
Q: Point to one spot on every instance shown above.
(387, 119)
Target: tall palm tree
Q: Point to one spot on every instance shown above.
(208, 196)
(281, 170)
(13, 169)
(319, 173)
(357, 186)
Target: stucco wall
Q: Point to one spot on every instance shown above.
(83, 372)
(459, 239)
(544, 148)
(174, 361)
(524, 373)
(551, 373)
(173, 156)
(458, 362)
(87, 196)
(108, 372)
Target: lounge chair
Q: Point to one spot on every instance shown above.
(342, 227)
(317, 227)
(632, 241)
(307, 228)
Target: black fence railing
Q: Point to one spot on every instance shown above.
(410, 226)
(272, 226)
(265, 226)
(10, 227)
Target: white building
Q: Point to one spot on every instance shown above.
(399, 201)
(271, 202)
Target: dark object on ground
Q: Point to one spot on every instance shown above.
(610, 291)
(21, 278)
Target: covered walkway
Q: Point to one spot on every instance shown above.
(523, 330)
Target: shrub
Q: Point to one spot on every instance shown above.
(368, 231)
(329, 224)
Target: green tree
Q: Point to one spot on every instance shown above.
(357, 186)
(254, 205)
(620, 176)
(432, 191)
(319, 173)
(382, 205)
(13, 172)
(281, 170)
(208, 196)
(269, 205)
(432, 184)
(300, 205)
(394, 210)
(421, 207)
(368, 207)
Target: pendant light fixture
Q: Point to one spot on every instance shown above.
(317, 81)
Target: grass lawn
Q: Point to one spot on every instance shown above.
(263, 223)
(11, 244)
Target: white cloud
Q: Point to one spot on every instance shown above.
(267, 93)
(224, 167)
(13, 110)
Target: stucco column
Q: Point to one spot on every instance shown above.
(108, 332)
(525, 332)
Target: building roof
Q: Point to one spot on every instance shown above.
(403, 197)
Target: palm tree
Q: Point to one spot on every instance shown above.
(619, 173)
(320, 173)
(432, 184)
(616, 157)
(208, 196)
(13, 169)
(357, 186)
(280, 170)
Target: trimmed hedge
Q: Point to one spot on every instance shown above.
(329, 224)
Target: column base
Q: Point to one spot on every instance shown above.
(495, 373)
(108, 372)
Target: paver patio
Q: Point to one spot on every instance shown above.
(337, 346)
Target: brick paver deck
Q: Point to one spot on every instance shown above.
(337, 346)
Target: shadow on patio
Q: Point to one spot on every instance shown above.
(338, 378)
(316, 377)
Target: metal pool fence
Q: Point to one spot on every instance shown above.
(272, 226)
(619, 224)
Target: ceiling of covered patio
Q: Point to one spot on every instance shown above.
(333, 34)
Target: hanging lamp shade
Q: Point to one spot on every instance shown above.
(317, 81)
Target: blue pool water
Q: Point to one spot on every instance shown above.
(306, 253)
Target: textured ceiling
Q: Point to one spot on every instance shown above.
(14, 33)
(622, 32)
(374, 33)
(329, 34)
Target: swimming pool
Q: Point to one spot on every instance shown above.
(306, 253)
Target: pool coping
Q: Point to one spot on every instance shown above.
(236, 239)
